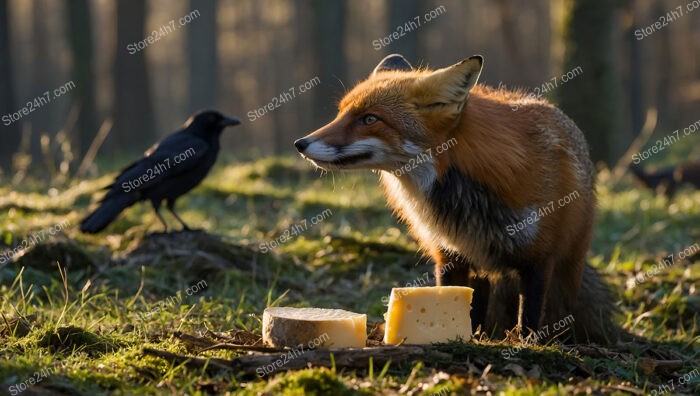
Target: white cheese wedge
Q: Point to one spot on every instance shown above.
(313, 328)
(423, 315)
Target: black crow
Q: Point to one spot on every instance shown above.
(170, 168)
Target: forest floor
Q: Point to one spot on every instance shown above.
(97, 314)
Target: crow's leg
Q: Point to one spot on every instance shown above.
(156, 207)
(171, 207)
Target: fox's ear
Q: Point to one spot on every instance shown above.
(451, 85)
(393, 62)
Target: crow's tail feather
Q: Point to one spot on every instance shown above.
(109, 209)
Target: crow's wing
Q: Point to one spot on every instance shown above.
(159, 163)
(173, 139)
(139, 161)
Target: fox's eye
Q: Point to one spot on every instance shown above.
(369, 119)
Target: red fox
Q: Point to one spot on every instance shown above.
(471, 177)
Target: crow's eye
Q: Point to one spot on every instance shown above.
(369, 119)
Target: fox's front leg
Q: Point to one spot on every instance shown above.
(534, 288)
(454, 270)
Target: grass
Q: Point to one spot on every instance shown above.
(78, 310)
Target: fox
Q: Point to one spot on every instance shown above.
(475, 205)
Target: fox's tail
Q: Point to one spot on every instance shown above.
(588, 318)
(595, 312)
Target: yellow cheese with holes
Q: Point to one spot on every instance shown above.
(310, 328)
(423, 315)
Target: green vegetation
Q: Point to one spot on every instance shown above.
(80, 309)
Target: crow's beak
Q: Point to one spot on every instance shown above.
(230, 121)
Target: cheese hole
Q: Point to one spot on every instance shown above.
(422, 310)
(408, 307)
(432, 324)
(456, 298)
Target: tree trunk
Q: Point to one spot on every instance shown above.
(400, 13)
(133, 119)
(590, 98)
(10, 133)
(83, 76)
(43, 79)
(664, 88)
(329, 55)
(635, 64)
(202, 54)
(511, 39)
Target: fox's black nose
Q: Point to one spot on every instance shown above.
(301, 144)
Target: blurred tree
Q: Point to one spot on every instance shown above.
(42, 72)
(202, 56)
(329, 55)
(282, 46)
(301, 119)
(82, 74)
(400, 13)
(590, 99)
(133, 112)
(10, 133)
(665, 92)
(634, 66)
(511, 39)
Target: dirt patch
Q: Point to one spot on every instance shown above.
(47, 256)
(74, 339)
(198, 253)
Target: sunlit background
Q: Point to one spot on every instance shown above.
(238, 55)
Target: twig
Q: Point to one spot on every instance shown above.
(237, 347)
(90, 155)
(651, 366)
(647, 130)
(192, 339)
(251, 364)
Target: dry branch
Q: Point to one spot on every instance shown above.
(344, 358)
